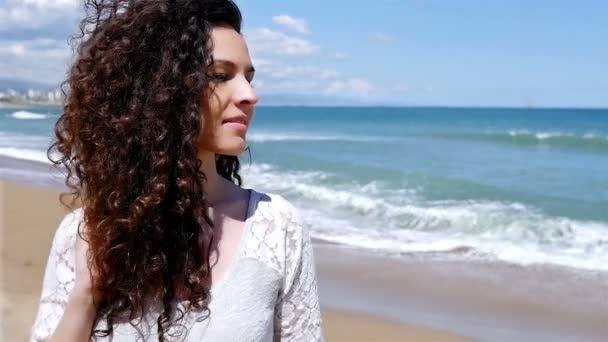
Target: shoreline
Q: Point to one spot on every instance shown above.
(25, 244)
(32, 167)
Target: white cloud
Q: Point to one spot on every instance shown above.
(34, 14)
(258, 84)
(351, 86)
(302, 71)
(49, 4)
(399, 88)
(262, 65)
(382, 37)
(41, 48)
(291, 23)
(329, 73)
(280, 78)
(265, 41)
(340, 55)
(296, 87)
(14, 50)
(43, 60)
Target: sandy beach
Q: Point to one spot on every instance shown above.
(29, 217)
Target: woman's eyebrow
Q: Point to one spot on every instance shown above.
(231, 64)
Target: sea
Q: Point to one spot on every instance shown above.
(523, 186)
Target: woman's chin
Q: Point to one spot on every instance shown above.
(235, 147)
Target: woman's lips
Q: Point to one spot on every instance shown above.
(236, 125)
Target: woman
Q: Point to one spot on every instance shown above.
(167, 244)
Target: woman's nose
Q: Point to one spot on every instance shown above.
(246, 94)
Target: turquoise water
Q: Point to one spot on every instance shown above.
(523, 185)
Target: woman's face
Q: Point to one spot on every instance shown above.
(232, 98)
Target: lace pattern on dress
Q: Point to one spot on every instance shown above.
(297, 313)
(59, 278)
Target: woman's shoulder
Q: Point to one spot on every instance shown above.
(276, 207)
(280, 220)
(68, 229)
(277, 232)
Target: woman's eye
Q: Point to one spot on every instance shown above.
(218, 76)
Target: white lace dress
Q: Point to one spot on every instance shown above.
(268, 293)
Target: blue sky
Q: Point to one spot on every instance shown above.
(419, 52)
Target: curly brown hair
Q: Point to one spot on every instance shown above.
(129, 139)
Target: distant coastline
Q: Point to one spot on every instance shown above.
(20, 103)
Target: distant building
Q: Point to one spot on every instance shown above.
(32, 95)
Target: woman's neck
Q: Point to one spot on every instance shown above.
(217, 188)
